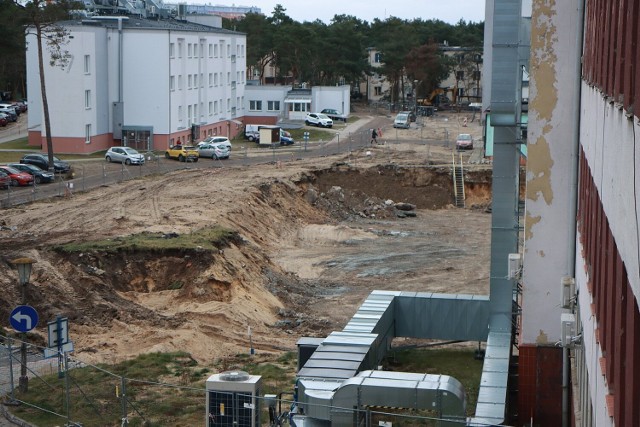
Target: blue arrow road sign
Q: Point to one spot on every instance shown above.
(23, 318)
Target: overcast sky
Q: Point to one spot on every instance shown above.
(450, 11)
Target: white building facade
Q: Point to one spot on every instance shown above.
(141, 83)
(579, 353)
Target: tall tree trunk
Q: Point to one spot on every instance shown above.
(45, 103)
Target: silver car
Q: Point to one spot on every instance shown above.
(126, 155)
(216, 151)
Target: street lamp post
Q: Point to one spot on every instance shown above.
(24, 272)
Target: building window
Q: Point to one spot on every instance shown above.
(195, 50)
(377, 57)
(195, 81)
(210, 79)
(377, 90)
(189, 81)
(87, 134)
(210, 50)
(459, 75)
(87, 99)
(180, 82)
(180, 113)
(172, 50)
(228, 51)
(215, 107)
(87, 64)
(215, 51)
(189, 50)
(215, 79)
(228, 104)
(172, 83)
(189, 114)
(210, 108)
(255, 105)
(273, 105)
(476, 75)
(201, 80)
(180, 47)
(228, 78)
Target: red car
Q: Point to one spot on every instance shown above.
(17, 177)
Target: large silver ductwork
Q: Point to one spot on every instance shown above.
(339, 379)
(343, 405)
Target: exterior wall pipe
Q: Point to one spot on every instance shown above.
(573, 191)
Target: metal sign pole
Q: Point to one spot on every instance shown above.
(61, 373)
(11, 369)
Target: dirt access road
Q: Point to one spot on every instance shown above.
(313, 238)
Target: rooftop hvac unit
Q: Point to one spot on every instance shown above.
(233, 399)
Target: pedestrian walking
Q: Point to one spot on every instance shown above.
(374, 136)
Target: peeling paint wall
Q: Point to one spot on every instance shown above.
(549, 230)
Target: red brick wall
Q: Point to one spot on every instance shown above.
(539, 385)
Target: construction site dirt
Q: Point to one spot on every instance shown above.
(311, 239)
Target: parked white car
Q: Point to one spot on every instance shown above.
(126, 155)
(318, 119)
(402, 120)
(216, 140)
(216, 151)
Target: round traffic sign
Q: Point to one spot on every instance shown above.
(23, 318)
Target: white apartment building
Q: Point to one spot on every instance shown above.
(138, 82)
(463, 85)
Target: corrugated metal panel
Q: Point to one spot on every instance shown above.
(442, 316)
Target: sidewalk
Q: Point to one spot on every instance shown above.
(16, 130)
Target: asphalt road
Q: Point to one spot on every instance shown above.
(96, 172)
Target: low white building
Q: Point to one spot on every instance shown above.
(268, 104)
(139, 82)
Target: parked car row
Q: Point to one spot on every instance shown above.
(215, 147)
(31, 169)
(9, 111)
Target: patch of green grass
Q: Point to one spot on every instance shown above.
(203, 239)
(18, 144)
(459, 364)
(289, 358)
(315, 134)
(96, 393)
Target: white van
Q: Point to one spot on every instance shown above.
(402, 121)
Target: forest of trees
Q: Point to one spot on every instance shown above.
(321, 54)
(312, 52)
